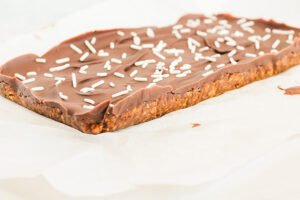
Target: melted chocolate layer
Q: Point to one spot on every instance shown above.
(116, 70)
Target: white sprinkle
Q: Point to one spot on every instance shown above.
(250, 55)
(111, 84)
(232, 61)
(246, 24)
(111, 105)
(208, 21)
(40, 60)
(161, 44)
(220, 39)
(62, 60)
(112, 45)
(274, 51)
(75, 48)
(208, 67)
(120, 33)
(257, 44)
(107, 65)
(248, 29)
(28, 80)
(289, 41)
(83, 69)
(261, 53)
(84, 56)
(216, 56)
(178, 26)
(159, 55)
(138, 63)
(119, 93)
(102, 53)
(185, 67)
(115, 60)
(145, 65)
(74, 81)
(86, 90)
(266, 37)
(290, 37)
(282, 32)
(193, 23)
(136, 40)
(64, 97)
(89, 101)
(133, 46)
(97, 84)
(238, 34)
(31, 73)
(223, 32)
(208, 73)
(220, 65)
(19, 76)
(174, 51)
(187, 72)
(59, 68)
(89, 46)
(241, 48)
(129, 88)
(148, 45)
(150, 33)
(59, 80)
(172, 71)
(124, 55)
(232, 53)
(133, 73)
(193, 42)
(275, 44)
(157, 79)
(37, 88)
(93, 40)
(203, 49)
(201, 33)
(223, 22)
(102, 74)
(140, 78)
(210, 59)
(48, 75)
(268, 30)
(150, 85)
(119, 74)
(177, 34)
(185, 30)
(133, 34)
(241, 21)
(180, 75)
(160, 75)
(90, 107)
(231, 43)
(217, 44)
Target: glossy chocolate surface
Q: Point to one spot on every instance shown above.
(116, 70)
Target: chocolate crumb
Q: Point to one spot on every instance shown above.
(291, 91)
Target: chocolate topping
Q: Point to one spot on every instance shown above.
(112, 71)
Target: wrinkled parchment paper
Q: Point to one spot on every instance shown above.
(247, 146)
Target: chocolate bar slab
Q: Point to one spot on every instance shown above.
(106, 80)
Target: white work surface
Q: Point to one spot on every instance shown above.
(247, 147)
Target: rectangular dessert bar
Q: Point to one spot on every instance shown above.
(103, 81)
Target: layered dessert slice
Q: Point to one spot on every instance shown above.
(107, 80)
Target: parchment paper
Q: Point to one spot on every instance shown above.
(247, 145)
